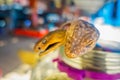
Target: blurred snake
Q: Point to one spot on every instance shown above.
(77, 36)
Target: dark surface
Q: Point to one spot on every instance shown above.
(9, 59)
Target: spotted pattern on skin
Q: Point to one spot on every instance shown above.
(81, 37)
(77, 36)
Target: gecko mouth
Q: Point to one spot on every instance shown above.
(49, 47)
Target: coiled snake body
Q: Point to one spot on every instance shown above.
(78, 37)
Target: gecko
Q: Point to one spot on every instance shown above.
(77, 36)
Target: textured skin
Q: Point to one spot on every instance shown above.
(77, 36)
(81, 37)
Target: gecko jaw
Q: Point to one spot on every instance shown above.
(49, 48)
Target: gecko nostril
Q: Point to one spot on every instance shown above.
(39, 48)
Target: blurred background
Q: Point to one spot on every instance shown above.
(23, 22)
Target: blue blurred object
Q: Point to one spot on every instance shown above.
(53, 17)
(51, 26)
(2, 26)
(117, 21)
(27, 23)
(110, 12)
(2, 23)
(40, 11)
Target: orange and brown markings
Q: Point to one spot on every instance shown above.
(78, 37)
(82, 38)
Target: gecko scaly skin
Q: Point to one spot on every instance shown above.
(78, 38)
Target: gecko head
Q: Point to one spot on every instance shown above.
(49, 42)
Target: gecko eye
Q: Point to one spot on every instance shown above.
(44, 41)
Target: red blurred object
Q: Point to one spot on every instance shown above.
(31, 33)
(34, 16)
(0, 73)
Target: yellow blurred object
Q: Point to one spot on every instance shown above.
(58, 3)
(58, 76)
(28, 57)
